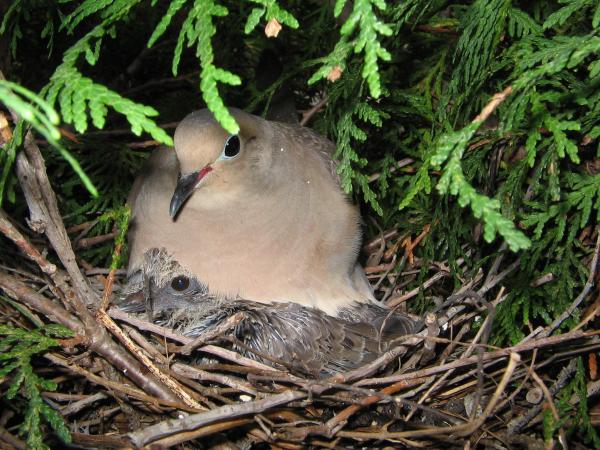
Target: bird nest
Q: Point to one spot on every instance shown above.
(121, 382)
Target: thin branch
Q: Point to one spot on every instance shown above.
(113, 385)
(10, 231)
(548, 395)
(586, 289)
(502, 353)
(308, 114)
(148, 364)
(395, 301)
(45, 216)
(170, 334)
(493, 104)
(53, 311)
(173, 426)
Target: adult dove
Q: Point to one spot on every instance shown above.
(258, 215)
(290, 335)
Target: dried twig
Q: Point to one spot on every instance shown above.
(548, 395)
(213, 333)
(168, 333)
(114, 386)
(586, 289)
(307, 115)
(498, 354)
(45, 216)
(518, 423)
(395, 301)
(164, 378)
(170, 427)
(10, 231)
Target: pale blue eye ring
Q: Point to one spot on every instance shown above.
(231, 148)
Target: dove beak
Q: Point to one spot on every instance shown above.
(185, 188)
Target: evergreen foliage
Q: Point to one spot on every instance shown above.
(402, 79)
(363, 18)
(17, 348)
(581, 419)
(79, 97)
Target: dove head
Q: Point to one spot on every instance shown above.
(217, 167)
(169, 285)
(165, 288)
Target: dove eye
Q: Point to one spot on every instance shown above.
(231, 148)
(180, 283)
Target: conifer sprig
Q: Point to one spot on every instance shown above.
(361, 33)
(18, 347)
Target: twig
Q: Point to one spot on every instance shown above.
(548, 395)
(398, 165)
(192, 422)
(83, 403)
(147, 346)
(235, 383)
(114, 386)
(483, 334)
(91, 241)
(493, 281)
(370, 368)
(433, 330)
(307, 115)
(437, 29)
(459, 430)
(110, 280)
(170, 334)
(340, 419)
(496, 264)
(152, 83)
(493, 104)
(102, 271)
(9, 230)
(99, 441)
(204, 431)
(409, 245)
(586, 289)
(52, 310)
(13, 441)
(502, 353)
(374, 244)
(518, 423)
(212, 333)
(514, 359)
(380, 268)
(164, 378)
(547, 278)
(44, 215)
(395, 301)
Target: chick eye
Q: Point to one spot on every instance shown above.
(180, 283)
(231, 148)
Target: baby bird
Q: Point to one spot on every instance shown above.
(301, 338)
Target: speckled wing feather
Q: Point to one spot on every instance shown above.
(308, 340)
(302, 338)
(319, 344)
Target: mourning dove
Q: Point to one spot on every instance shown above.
(302, 338)
(264, 216)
